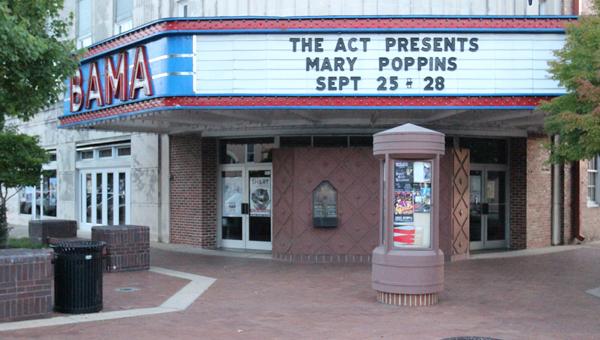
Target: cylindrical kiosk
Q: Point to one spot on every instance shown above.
(408, 266)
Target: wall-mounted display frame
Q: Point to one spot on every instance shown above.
(324, 206)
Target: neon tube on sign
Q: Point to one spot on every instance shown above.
(115, 83)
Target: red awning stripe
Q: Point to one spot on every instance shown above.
(308, 103)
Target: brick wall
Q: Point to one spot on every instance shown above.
(26, 279)
(193, 196)
(354, 172)
(127, 246)
(539, 193)
(518, 192)
(590, 216)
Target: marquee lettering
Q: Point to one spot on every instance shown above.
(140, 78)
(395, 60)
(94, 90)
(113, 83)
(76, 93)
(116, 84)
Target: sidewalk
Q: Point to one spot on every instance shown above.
(526, 297)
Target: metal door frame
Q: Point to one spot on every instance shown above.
(244, 243)
(484, 243)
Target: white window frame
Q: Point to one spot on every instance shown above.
(84, 40)
(50, 166)
(123, 25)
(593, 171)
(183, 8)
(96, 152)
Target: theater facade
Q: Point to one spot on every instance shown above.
(267, 126)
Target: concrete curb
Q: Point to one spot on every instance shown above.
(187, 249)
(178, 302)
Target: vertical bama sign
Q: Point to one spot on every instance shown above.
(113, 83)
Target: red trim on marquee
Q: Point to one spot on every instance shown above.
(329, 23)
(283, 102)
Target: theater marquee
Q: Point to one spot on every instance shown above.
(375, 64)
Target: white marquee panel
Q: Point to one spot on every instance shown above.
(264, 64)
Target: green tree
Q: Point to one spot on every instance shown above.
(21, 160)
(36, 56)
(575, 116)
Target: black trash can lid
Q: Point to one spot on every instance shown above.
(76, 247)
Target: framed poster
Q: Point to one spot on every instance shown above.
(412, 204)
(260, 196)
(232, 196)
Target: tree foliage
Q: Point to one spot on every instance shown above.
(36, 56)
(575, 116)
(21, 161)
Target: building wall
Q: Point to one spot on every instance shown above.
(539, 193)
(519, 184)
(590, 214)
(193, 194)
(354, 173)
(376, 7)
(144, 160)
(145, 11)
(585, 7)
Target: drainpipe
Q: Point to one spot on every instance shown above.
(556, 196)
(576, 202)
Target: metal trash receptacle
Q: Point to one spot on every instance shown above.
(78, 276)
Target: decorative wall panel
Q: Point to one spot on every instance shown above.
(354, 173)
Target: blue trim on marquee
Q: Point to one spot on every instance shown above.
(134, 113)
(375, 95)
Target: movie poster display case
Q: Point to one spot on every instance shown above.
(408, 266)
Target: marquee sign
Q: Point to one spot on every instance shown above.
(356, 63)
(116, 81)
(375, 64)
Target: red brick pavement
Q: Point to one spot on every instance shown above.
(534, 297)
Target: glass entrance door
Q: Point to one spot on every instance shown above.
(488, 208)
(105, 197)
(246, 203)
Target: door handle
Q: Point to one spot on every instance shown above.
(245, 208)
(485, 208)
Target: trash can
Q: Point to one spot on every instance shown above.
(78, 276)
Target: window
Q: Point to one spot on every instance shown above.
(124, 151)
(330, 141)
(251, 150)
(86, 154)
(104, 150)
(51, 155)
(84, 23)
(105, 153)
(484, 150)
(123, 15)
(182, 8)
(593, 180)
(41, 200)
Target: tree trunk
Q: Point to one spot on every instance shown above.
(3, 225)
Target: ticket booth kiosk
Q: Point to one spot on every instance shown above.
(408, 265)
